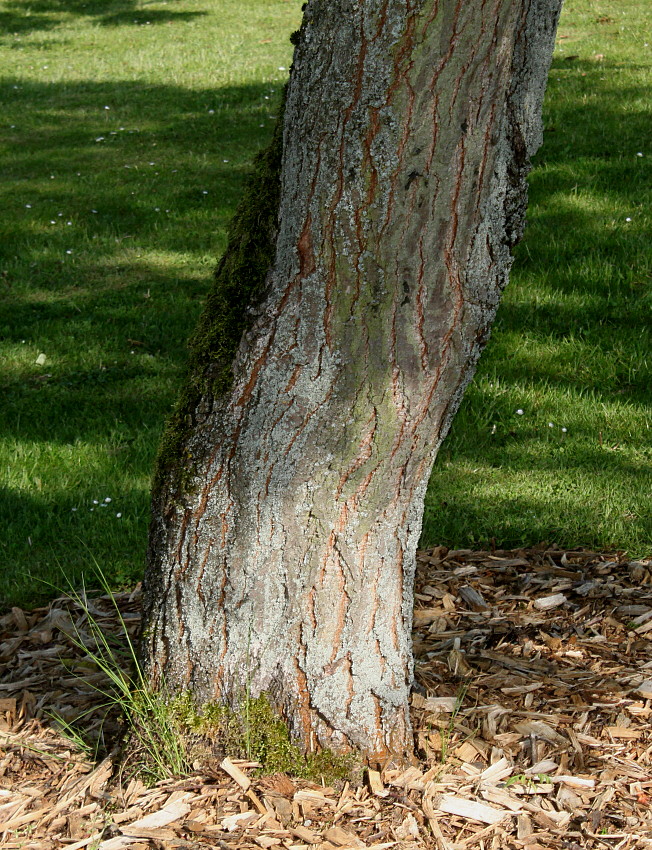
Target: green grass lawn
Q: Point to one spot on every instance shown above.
(127, 128)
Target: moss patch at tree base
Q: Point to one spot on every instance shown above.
(255, 732)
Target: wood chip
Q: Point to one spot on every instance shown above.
(547, 603)
(469, 809)
(376, 783)
(235, 773)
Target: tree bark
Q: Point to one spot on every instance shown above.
(283, 562)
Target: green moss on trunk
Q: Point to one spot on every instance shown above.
(256, 732)
(239, 285)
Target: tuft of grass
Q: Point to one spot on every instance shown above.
(447, 733)
(165, 734)
(154, 749)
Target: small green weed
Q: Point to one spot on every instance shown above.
(528, 780)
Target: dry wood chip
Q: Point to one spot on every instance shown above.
(305, 834)
(313, 797)
(161, 818)
(462, 807)
(84, 842)
(574, 781)
(497, 771)
(623, 732)
(539, 730)
(645, 689)
(440, 704)
(473, 598)
(376, 783)
(235, 773)
(547, 603)
(410, 779)
(342, 838)
(426, 616)
(502, 797)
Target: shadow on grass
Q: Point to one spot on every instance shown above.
(41, 15)
(50, 541)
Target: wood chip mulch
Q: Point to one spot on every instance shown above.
(531, 714)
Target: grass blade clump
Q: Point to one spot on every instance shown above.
(152, 736)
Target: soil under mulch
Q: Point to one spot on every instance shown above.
(531, 716)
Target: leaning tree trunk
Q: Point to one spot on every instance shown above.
(358, 290)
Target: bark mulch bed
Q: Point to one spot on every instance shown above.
(531, 714)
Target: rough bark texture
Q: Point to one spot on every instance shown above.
(285, 563)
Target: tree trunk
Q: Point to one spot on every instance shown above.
(289, 499)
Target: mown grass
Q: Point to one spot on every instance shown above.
(148, 185)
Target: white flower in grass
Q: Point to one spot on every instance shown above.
(628, 218)
(564, 430)
(551, 424)
(118, 515)
(639, 153)
(108, 499)
(520, 412)
(68, 251)
(28, 206)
